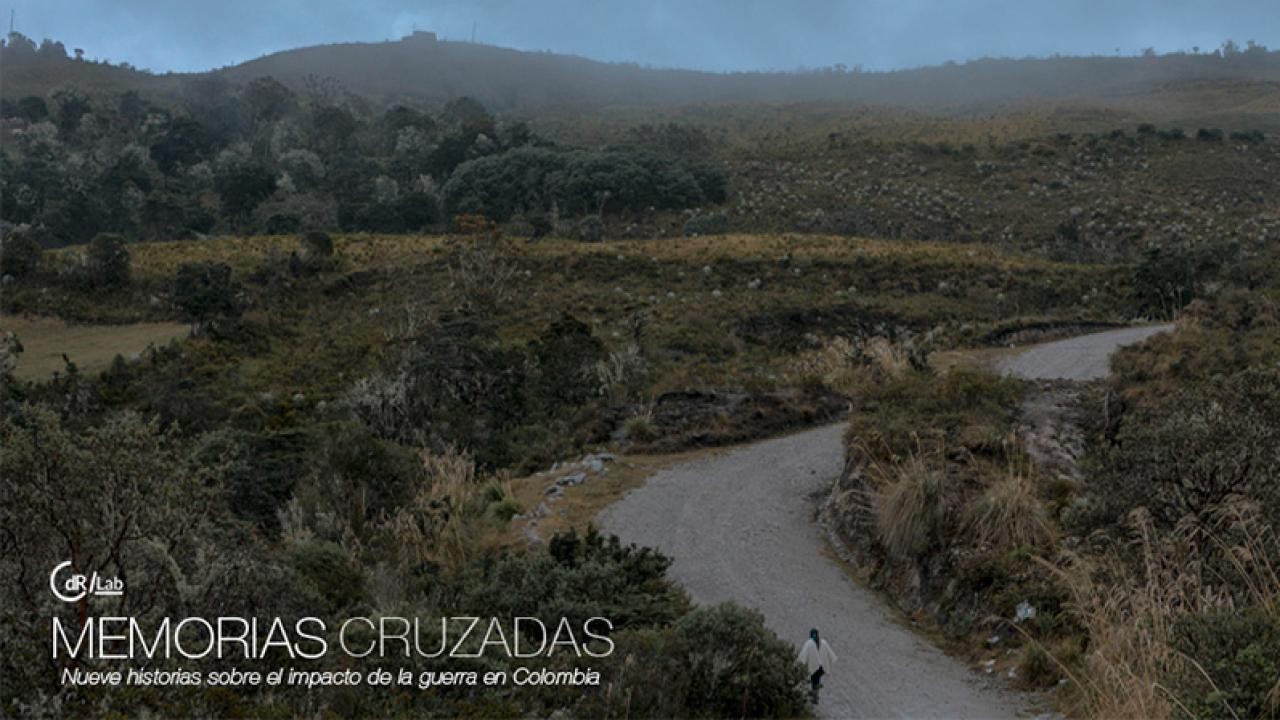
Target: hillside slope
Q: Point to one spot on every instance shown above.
(1172, 86)
(507, 78)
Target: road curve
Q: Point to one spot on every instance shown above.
(739, 526)
(1078, 358)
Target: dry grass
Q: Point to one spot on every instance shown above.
(844, 365)
(837, 364)
(911, 500)
(889, 358)
(363, 250)
(432, 527)
(90, 347)
(1007, 514)
(1129, 615)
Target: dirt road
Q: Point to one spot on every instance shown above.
(739, 526)
(1077, 358)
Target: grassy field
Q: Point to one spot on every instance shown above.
(91, 347)
(716, 310)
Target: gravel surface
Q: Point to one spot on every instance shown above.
(740, 526)
(1077, 358)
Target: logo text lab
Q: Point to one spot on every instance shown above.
(74, 587)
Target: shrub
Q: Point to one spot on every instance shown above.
(499, 186)
(330, 573)
(736, 667)
(1209, 135)
(204, 291)
(107, 261)
(481, 272)
(1170, 276)
(1193, 451)
(1037, 668)
(429, 528)
(19, 254)
(713, 224)
(1007, 515)
(1237, 664)
(590, 229)
(1163, 637)
(890, 412)
(640, 426)
(578, 576)
(912, 505)
(564, 358)
(472, 224)
(1249, 136)
(317, 245)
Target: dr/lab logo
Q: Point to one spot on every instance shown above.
(75, 587)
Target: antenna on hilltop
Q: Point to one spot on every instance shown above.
(11, 12)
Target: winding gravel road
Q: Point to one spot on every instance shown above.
(739, 526)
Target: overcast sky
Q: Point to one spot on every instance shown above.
(703, 34)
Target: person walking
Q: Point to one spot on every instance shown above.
(817, 656)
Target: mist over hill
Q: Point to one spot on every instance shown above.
(420, 67)
(505, 78)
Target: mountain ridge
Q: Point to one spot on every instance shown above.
(420, 67)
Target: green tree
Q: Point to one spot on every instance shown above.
(244, 187)
(122, 498)
(33, 108)
(737, 667)
(185, 142)
(107, 261)
(205, 291)
(1170, 276)
(19, 254)
(268, 99)
(317, 245)
(72, 106)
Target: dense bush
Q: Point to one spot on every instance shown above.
(1170, 276)
(735, 666)
(205, 291)
(962, 407)
(579, 577)
(1192, 417)
(712, 224)
(499, 186)
(1237, 664)
(590, 229)
(1185, 455)
(19, 254)
(457, 385)
(580, 182)
(317, 245)
(107, 262)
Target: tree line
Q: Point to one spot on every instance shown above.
(263, 158)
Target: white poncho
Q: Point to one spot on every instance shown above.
(815, 657)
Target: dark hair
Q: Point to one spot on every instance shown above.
(813, 634)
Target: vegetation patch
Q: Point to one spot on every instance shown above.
(45, 342)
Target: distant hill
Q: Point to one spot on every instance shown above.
(1244, 83)
(39, 74)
